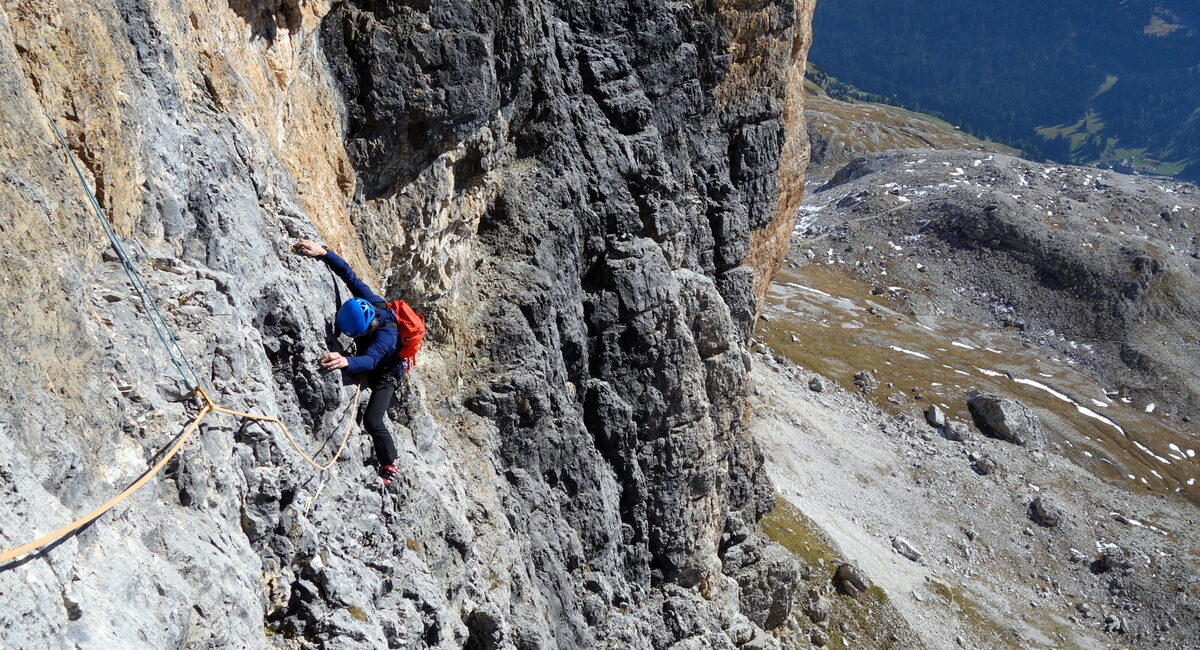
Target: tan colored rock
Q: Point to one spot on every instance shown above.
(769, 246)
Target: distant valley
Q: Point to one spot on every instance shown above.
(1113, 83)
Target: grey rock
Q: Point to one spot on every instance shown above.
(865, 380)
(1007, 419)
(1111, 557)
(958, 431)
(906, 548)
(935, 417)
(849, 580)
(985, 465)
(816, 385)
(768, 581)
(816, 607)
(1046, 511)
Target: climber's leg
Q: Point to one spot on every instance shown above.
(383, 389)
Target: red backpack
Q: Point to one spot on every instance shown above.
(410, 327)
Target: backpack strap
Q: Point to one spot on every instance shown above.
(385, 314)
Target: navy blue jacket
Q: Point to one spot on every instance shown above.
(378, 348)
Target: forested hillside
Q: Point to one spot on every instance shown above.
(1114, 82)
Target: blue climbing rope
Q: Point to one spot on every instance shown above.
(174, 350)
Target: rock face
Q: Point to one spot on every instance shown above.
(570, 191)
(766, 594)
(1007, 419)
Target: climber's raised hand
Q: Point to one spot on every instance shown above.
(309, 247)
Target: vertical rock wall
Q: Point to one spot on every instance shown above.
(573, 192)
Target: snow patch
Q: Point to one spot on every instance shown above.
(1078, 407)
(809, 289)
(915, 354)
(1145, 449)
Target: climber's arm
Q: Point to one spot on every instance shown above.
(340, 267)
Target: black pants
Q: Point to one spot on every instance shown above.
(383, 388)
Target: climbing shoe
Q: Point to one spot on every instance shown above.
(387, 473)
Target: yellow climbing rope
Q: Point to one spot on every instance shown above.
(208, 407)
(111, 503)
(288, 435)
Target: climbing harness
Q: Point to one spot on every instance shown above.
(180, 361)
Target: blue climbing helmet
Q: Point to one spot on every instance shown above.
(355, 316)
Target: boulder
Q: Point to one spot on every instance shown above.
(906, 548)
(935, 417)
(1110, 558)
(815, 607)
(1007, 419)
(982, 464)
(1045, 511)
(957, 431)
(816, 385)
(865, 380)
(985, 465)
(850, 581)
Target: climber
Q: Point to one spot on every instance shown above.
(367, 318)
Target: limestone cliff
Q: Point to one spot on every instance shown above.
(576, 193)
